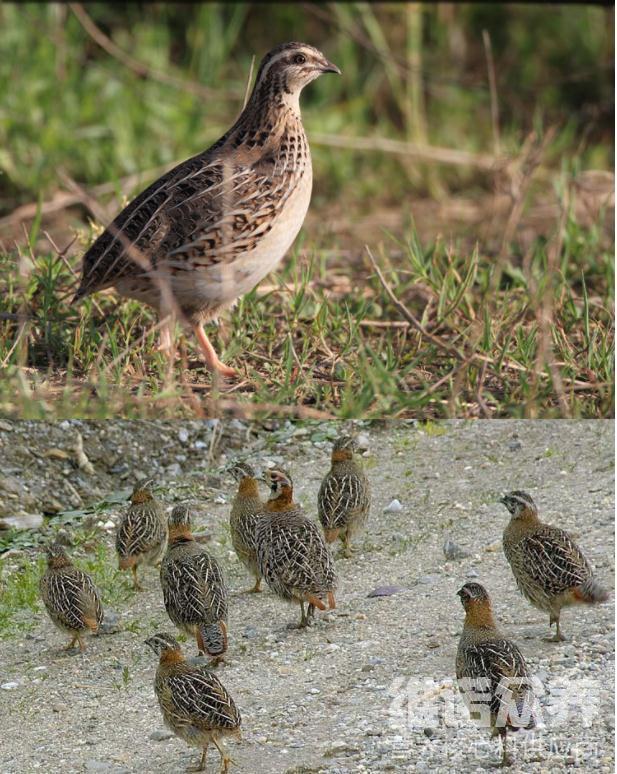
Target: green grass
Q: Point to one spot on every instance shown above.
(480, 352)
(519, 329)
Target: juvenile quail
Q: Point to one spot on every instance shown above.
(195, 704)
(293, 556)
(491, 672)
(548, 566)
(246, 510)
(141, 536)
(344, 496)
(213, 227)
(194, 588)
(70, 597)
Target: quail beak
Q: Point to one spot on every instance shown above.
(328, 67)
(502, 500)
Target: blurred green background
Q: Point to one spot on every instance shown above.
(411, 72)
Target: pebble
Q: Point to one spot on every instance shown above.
(93, 765)
(385, 591)
(161, 735)
(454, 552)
(183, 435)
(393, 507)
(9, 686)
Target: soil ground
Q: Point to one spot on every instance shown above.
(370, 686)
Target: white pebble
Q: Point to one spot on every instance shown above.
(393, 507)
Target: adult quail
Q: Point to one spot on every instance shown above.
(293, 556)
(213, 227)
(548, 566)
(246, 510)
(194, 588)
(491, 672)
(344, 497)
(70, 596)
(141, 535)
(195, 704)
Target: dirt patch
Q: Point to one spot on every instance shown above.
(370, 686)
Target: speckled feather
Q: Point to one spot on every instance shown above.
(142, 533)
(195, 592)
(245, 513)
(202, 225)
(71, 598)
(344, 497)
(293, 556)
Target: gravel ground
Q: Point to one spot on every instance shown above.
(370, 686)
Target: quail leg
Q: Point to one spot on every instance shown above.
(558, 636)
(212, 361)
(257, 587)
(505, 761)
(71, 644)
(201, 766)
(304, 622)
(136, 584)
(347, 550)
(226, 760)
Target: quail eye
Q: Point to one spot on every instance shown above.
(299, 59)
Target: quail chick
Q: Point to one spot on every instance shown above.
(246, 510)
(195, 704)
(213, 227)
(293, 556)
(194, 588)
(549, 568)
(491, 672)
(344, 496)
(70, 597)
(141, 536)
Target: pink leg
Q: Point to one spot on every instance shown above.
(165, 338)
(212, 360)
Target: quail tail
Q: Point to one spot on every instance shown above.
(591, 592)
(214, 638)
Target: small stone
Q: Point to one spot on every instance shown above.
(429, 732)
(250, 632)
(22, 521)
(161, 736)
(472, 573)
(110, 623)
(454, 552)
(385, 591)
(183, 435)
(393, 507)
(9, 686)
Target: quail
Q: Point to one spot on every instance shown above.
(246, 510)
(141, 536)
(344, 496)
(70, 596)
(195, 704)
(549, 568)
(194, 589)
(491, 672)
(293, 556)
(213, 227)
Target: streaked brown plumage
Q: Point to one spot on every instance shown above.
(246, 510)
(213, 227)
(70, 596)
(293, 556)
(141, 536)
(548, 566)
(491, 672)
(344, 497)
(194, 588)
(195, 704)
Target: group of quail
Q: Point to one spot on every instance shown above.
(274, 539)
(552, 572)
